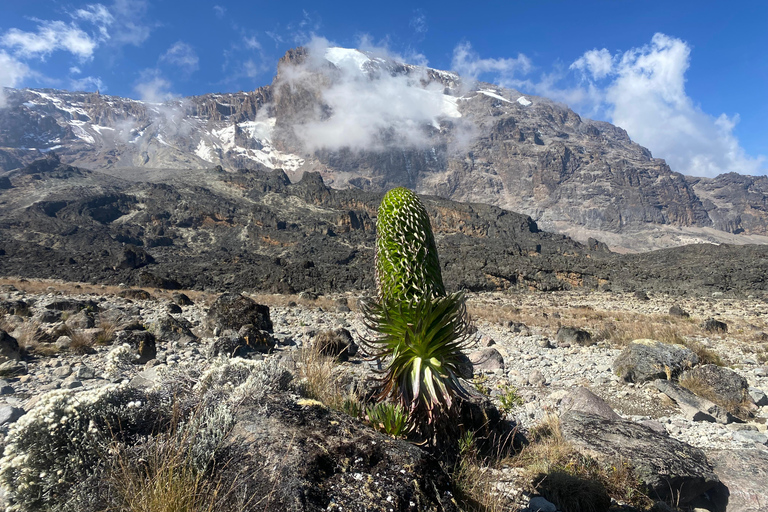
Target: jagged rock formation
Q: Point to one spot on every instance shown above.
(485, 144)
(255, 230)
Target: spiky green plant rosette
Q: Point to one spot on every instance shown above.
(407, 266)
(418, 328)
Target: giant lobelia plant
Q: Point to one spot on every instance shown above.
(418, 328)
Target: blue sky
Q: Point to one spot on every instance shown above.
(686, 79)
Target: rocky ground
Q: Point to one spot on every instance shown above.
(522, 348)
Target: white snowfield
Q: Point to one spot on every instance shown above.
(347, 58)
(524, 101)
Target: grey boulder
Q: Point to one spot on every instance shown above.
(645, 360)
(670, 469)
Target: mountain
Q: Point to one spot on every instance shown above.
(368, 122)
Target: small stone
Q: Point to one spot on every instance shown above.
(13, 368)
(85, 373)
(678, 311)
(63, 342)
(758, 396)
(5, 388)
(543, 342)
(539, 504)
(748, 436)
(536, 378)
(62, 372)
(71, 384)
(487, 359)
(715, 326)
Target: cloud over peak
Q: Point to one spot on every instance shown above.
(641, 90)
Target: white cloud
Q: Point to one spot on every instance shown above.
(598, 63)
(49, 37)
(641, 90)
(363, 112)
(91, 26)
(219, 11)
(419, 22)
(182, 55)
(130, 26)
(98, 15)
(251, 43)
(645, 94)
(12, 72)
(74, 70)
(153, 87)
(468, 63)
(88, 83)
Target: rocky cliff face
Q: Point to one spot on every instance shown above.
(480, 144)
(256, 230)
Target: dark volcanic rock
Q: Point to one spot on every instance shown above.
(320, 459)
(725, 384)
(232, 311)
(143, 342)
(133, 257)
(645, 360)
(671, 470)
(336, 343)
(285, 237)
(712, 325)
(571, 335)
(9, 347)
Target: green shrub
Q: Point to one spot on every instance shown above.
(389, 418)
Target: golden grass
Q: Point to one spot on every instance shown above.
(699, 387)
(323, 380)
(570, 480)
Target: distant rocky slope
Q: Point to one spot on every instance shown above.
(255, 230)
(471, 142)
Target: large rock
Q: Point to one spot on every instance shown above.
(672, 471)
(9, 347)
(232, 311)
(487, 359)
(725, 384)
(583, 400)
(567, 336)
(646, 359)
(694, 408)
(745, 473)
(336, 343)
(299, 456)
(168, 328)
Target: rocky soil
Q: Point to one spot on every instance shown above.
(521, 341)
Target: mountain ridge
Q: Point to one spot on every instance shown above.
(464, 141)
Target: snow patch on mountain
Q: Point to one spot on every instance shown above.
(524, 101)
(346, 58)
(493, 94)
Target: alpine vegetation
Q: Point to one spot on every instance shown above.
(416, 326)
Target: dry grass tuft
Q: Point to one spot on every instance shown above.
(570, 480)
(165, 482)
(323, 380)
(699, 387)
(81, 344)
(474, 483)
